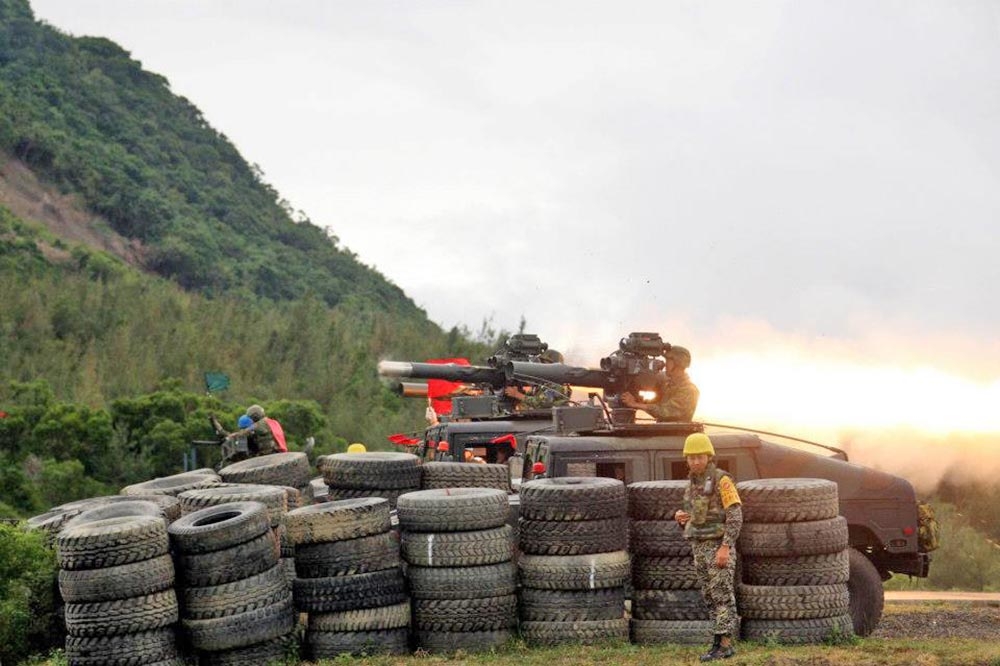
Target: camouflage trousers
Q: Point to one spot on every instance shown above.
(717, 585)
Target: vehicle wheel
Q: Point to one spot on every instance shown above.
(273, 497)
(788, 500)
(376, 470)
(816, 630)
(332, 644)
(247, 594)
(464, 475)
(242, 629)
(112, 541)
(791, 602)
(574, 572)
(219, 527)
(396, 616)
(275, 469)
(122, 616)
(664, 573)
(117, 510)
(276, 650)
(655, 500)
(172, 485)
(459, 549)
(334, 521)
(481, 614)
(658, 538)
(453, 509)
(826, 569)
(595, 631)
(572, 605)
(668, 605)
(867, 596)
(145, 647)
(229, 564)
(572, 537)
(342, 593)
(467, 641)
(573, 498)
(136, 579)
(348, 557)
(492, 580)
(335, 494)
(813, 537)
(684, 632)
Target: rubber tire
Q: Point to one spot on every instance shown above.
(273, 469)
(826, 569)
(813, 537)
(240, 596)
(669, 605)
(375, 470)
(219, 527)
(463, 615)
(573, 498)
(117, 510)
(111, 542)
(136, 579)
(576, 537)
(334, 521)
(436, 475)
(333, 644)
(442, 642)
(491, 580)
(867, 596)
(170, 507)
(459, 549)
(396, 616)
(655, 500)
(172, 485)
(229, 564)
(792, 602)
(555, 633)
(343, 593)
(453, 509)
(682, 632)
(242, 629)
(281, 650)
(572, 605)
(274, 498)
(796, 632)
(134, 649)
(788, 500)
(348, 557)
(658, 538)
(335, 494)
(122, 616)
(574, 572)
(664, 573)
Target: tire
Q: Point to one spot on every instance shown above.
(867, 596)
(332, 644)
(391, 496)
(320, 491)
(788, 500)
(52, 520)
(344, 593)
(242, 629)
(219, 527)
(577, 537)
(374, 470)
(813, 537)
(136, 579)
(572, 605)
(669, 605)
(294, 498)
(470, 641)
(275, 469)
(287, 548)
(658, 538)
(122, 616)
(816, 630)
(229, 564)
(453, 509)
(465, 615)
(348, 557)
(170, 507)
(111, 542)
(276, 650)
(134, 649)
(459, 549)
(664, 573)
(827, 569)
(683, 632)
(436, 475)
(492, 580)
(594, 631)
(240, 596)
(396, 616)
(574, 572)
(273, 497)
(655, 500)
(573, 498)
(117, 510)
(334, 521)
(792, 602)
(172, 485)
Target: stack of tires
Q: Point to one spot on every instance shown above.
(667, 603)
(276, 469)
(795, 561)
(117, 579)
(574, 566)
(236, 607)
(375, 474)
(459, 553)
(175, 484)
(437, 475)
(349, 578)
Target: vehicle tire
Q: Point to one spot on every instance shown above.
(391, 496)
(453, 509)
(658, 538)
(792, 602)
(464, 615)
(574, 572)
(52, 520)
(459, 549)
(219, 527)
(576, 537)
(867, 596)
(172, 485)
(396, 616)
(117, 510)
(145, 647)
(491, 580)
(594, 631)
(816, 630)
(287, 548)
(170, 507)
(334, 521)
(572, 605)
(247, 594)
(274, 469)
(276, 650)
(664, 573)
(111, 542)
(242, 629)
(273, 497)
(655, 500)
(229, 564)
(826, 569)
(683, 632)
(436, 475)
(343, 593)
(788, 500)
(122, 616)
(136, 579)
(348, 557)
(573, 498)
(812, 537)
(467, 641)
(332, 644)
(376, 470)
(669, 605)
(294, 497)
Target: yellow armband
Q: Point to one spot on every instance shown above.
(727, 491)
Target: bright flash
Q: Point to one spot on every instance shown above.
(647, 396)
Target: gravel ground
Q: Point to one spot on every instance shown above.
(944, 620)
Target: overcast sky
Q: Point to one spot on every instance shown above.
(814, 173)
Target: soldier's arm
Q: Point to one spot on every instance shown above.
(734, 511)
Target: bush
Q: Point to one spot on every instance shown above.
(28, 622)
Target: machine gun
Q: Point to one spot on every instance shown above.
(233, 448)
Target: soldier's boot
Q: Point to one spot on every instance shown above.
(710, 655)
(719, 649)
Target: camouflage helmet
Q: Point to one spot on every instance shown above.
(550, 356)
(255, 412)
(680, 355)
(696, 443)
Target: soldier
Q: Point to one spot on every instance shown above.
(265, 435)
(541, 396)
(676, 395)
(712, 517)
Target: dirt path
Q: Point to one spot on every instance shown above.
(939, 620)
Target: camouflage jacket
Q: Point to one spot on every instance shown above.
(676, 400)
(546, 396)
(714, 504)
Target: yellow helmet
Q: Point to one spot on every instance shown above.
(356, 447)
(698, 442)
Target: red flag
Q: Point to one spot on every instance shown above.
(4, 415)
(436, 388)
(509, 439)
(279, 434)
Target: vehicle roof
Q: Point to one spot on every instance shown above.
(668, 442)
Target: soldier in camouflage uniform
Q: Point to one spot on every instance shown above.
(260, 439)
(676, 394)
(712, 517)
(541, 396)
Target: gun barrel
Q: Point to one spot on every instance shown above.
(409, 389)
(560, 373)
(467, 374)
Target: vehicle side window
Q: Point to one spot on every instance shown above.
(614, 470)
(678, 469)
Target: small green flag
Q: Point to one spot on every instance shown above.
(216, 381)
